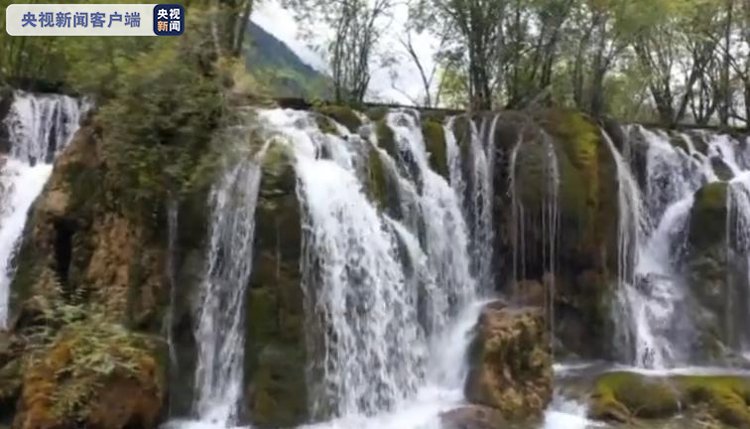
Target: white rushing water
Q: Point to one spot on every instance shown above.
(738, 248)
(476, 191)
(219, 333)
(390, 301)
(655, 329)
(39, 127)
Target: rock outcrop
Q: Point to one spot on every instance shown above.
(93, 375)
(627, 397)
(510, 363)
(585, 243)
(74, 245)
(275, 347)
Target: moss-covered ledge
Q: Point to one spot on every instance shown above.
(628, 397)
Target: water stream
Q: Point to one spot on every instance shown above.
(220, 331)
(39, 127)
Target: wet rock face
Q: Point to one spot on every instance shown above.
(75, 246)
(706, 270)
(473, 417)
(275, 357)
(511, 365)
(586, 227)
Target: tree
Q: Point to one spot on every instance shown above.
(357, 27)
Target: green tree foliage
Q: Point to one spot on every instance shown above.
(671, 60)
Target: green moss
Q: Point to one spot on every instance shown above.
(386, 138)
(279, 399)
(678, 141)
(624, 396)
(434, 138)
(376, 179)
(641, 396)
(343, 115)
(376, 113)
(708, 216)
(325, 124)
(462, 132)
(580, 140)
(275, 356)
(438, 116)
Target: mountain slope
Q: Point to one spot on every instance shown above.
(279, 69)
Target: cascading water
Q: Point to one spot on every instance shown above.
(220, 334)
(652, 297)
(371, 278)
(476, 192)
(655, 328)
(39, 127)
(447, 241)
(738, 256)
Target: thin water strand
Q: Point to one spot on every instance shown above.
(219, 334)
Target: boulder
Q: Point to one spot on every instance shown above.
(510, 363)
(95, 375)
(473, 417)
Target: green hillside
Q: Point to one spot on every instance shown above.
(278, 68)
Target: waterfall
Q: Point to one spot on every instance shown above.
(39, 127)
(652, 316)
(390, 297)
(447, 236)
(545, 216)
(478, 196)
(738, 250)
(630, 232)
(220, 330)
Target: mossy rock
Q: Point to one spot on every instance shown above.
(587, 229)
(93, 374)
(627, 396)
(722, 170)
(325, 124)
(622, 395)
(510, 362)
(377, 113)
(344, 115)
(708, 216)
(277, 400)
(434, 138)
(275, 353)
(678, 141)
(377, 186)
(462, 130)
(386, 138)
